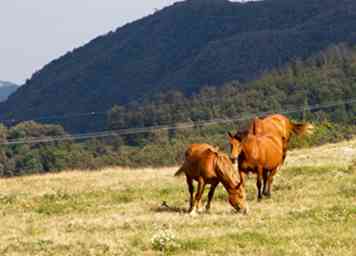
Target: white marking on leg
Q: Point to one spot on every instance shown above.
(193, 212)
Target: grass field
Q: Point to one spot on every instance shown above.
(117, 212)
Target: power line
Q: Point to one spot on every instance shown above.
(56, 117)
(186, 125)
(93, 113)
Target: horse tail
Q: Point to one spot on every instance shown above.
(302, 129)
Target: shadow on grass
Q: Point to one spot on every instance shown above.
(164, 207)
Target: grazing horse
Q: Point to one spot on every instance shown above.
(259, 148)
(206, 165)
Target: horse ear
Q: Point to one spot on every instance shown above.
(240, 135)
(230, 135)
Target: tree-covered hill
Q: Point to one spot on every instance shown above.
(183, 47)
(328, 78)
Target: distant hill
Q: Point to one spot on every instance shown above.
(186, 46)
(7, 88)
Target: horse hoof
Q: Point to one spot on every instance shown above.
(267, 194)
(245, 211)
(193, 213)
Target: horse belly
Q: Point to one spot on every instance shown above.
(205, 172)
(207, 179)
(273, 162)
(247, 167)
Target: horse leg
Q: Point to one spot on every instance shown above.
(259, 182)
(242, 177)
(191, 191)
(210, 195)
(265, 178)
(270, 180)
(198, 195)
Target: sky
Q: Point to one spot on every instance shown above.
(33, 33)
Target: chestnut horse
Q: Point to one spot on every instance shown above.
(206, 165)
(279, 125)
(263, 146)
(260, 154)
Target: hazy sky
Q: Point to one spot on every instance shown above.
(34, 32)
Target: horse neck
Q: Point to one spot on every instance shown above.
(225, 173)
(230, 187)
(229, 182)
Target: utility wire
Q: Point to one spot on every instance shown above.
(185, 125)
(55, 117)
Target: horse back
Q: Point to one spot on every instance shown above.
(198, 149)
(200, 161)
(277, 124)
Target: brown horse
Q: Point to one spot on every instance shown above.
(262, 148)
(260, 154)
(206, 165)
(279, 125)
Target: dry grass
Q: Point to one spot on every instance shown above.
(117, 212)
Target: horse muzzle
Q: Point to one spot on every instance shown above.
(243, 211)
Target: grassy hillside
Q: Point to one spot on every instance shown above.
(117, 212)
(185, 46)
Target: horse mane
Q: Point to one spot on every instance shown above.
(242, 134)
(252, 129)
(225, 168)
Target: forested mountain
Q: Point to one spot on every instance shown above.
(7, 88)
(183, 47)
(327, 79)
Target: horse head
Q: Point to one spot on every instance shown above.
(237, 199)
(235, 147)
(237, 195)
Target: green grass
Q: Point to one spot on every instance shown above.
(117, 212)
